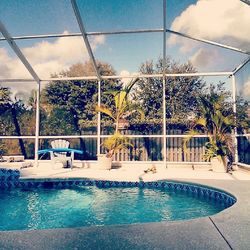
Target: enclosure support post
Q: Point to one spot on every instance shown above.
(164, 85)
(99, 120)
(235, 110)
(164, 124)
(37, 122)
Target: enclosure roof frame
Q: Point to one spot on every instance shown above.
(11, 40)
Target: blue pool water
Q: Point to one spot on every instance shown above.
(84, 206)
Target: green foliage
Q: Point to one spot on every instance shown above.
(123, 105)
(4, 96)
(59, 122)
(122, 109)
(217, 123)
(243, 119)
(181, 92)
(114, 143)
(77, 98)
(72, 96)
(68, 107)
(5, 100)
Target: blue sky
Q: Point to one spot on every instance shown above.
(54, 16)
(125, 52)
(24, 17)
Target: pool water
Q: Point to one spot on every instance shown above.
(85, 206)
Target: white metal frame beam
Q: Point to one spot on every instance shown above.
(209, 42)
(241, 66)
(18, 52)
(32, 37)
(122, 76)
(85, 38)
(92, 58)
(99, 120)
(120, 32)
(105, 136)
(93, 33)
(234, 93)
(164, 63)
(141, 76)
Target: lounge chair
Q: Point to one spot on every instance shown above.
(61, 156)
(58, 153)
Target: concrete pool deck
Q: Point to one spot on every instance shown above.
(128, 173)
(229, 229)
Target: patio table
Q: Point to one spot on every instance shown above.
(67, 161)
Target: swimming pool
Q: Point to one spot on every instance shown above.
(106, 203)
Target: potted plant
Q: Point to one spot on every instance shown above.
(111, 145)
(218, 123)
(119, 113)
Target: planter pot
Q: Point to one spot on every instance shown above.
(218, 165)
(104, 162)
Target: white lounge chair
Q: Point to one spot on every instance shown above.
(61, 156)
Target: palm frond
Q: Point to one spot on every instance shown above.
(131, 85)
(201, 122)
(120, 100)
(115, 143)
(105, 110)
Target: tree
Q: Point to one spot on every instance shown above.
(12, 112)
(243, 119)
(86, 69)
(77, 98)
(217, 121)
(181, 92)
(4, 96)
(4, 103)
(123, 108)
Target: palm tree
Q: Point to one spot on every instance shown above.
(15, 106)
(217, 123)
(123, 108)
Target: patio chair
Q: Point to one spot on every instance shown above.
(61, 157)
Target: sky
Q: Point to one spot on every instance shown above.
(225, 21)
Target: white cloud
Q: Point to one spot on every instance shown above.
(47, 57)
(124, 73)
(218, 20)
(205, 58)
(98, 40)
(225, 21)
(11, 67)
(127, 73)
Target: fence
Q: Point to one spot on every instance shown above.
(145, 148)
(151, 149)
(244, 149)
